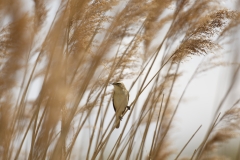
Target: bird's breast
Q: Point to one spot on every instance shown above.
(120, 100)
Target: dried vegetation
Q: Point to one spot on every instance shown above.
(75, 57)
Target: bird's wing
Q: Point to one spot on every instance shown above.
(113, 103)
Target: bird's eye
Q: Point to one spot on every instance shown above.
(118, 84)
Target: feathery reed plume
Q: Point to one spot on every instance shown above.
(226, 128)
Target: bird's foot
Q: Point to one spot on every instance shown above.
(128, 107)
(120, 117)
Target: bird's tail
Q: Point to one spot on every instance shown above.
(117, 122)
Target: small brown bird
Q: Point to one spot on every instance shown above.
(120, 101)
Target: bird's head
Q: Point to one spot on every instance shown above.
(118, 85)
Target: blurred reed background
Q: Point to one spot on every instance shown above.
(57, 68)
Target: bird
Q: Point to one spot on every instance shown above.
(120, 101)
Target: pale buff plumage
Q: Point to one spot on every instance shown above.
(120, 101)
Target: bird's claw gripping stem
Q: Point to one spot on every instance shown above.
(120, 117)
